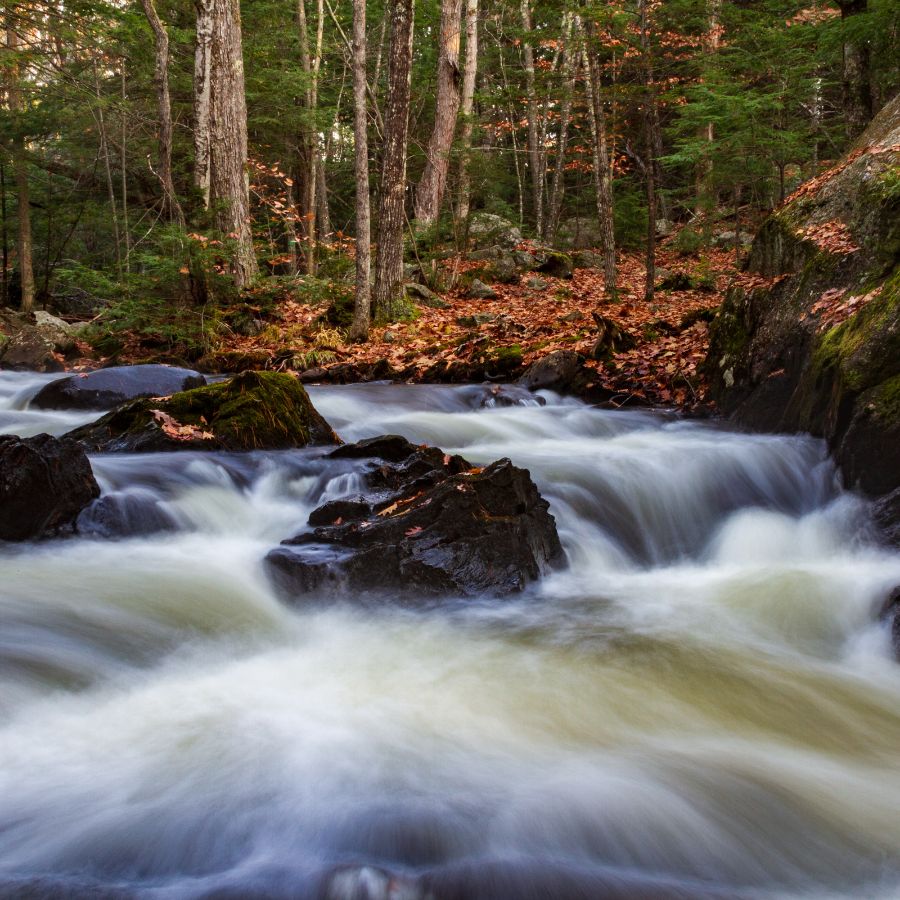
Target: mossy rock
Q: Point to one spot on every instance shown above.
(252, 411)
(340, 313)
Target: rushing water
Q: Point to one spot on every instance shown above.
(702, 705)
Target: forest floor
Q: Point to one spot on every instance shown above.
(655, 363)
(655, 360)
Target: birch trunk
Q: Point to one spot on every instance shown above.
(202, 97)
(362, 308)
(392, 194)
(433, 183)
(171, 206)
(535, 161)
(570, 72)
(470, 73)
(602, 168)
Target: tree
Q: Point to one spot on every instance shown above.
(433, 182)
(171, 206)
(20, 164)
(221, 130)
(362, 311)
(856, 77)
(392, 188)
(470, 73)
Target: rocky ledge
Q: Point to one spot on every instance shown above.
(432, 525)
(813, 343)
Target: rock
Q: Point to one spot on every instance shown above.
(481, 291)
(587, 259)
(313, 375)
(726, 239)
(554, 263)
(433, 526)
(487, 229)
(424, 296)
(23, 346)
(579, 233)
(890, 613)
(537, 284)
(45, 482)
(665, 227)
(817, 348)
(886, 514)
(504, 395)
(558, 371)
(106, 388)
(61, 333)
(486, 253)
(503, 270)
(252, 411)
(125, 514)
(475, 320)
(523, 260)
(675, 281)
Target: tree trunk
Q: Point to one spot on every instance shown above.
(202, 97)
(392, 194)
(470, 72)
(651, 125)
(24, 247)
(362, 308)
(229, 189)
(571, 56)
(857, 86)
(711, 42)
(171, 206)
(431, 188)
(535, 156)
(602, 168)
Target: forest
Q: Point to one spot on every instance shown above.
(256, 183)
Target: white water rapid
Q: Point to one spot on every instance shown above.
(703, 705)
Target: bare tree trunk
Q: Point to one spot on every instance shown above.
(535, 158)
(229, 182)
(104, 152)
(571, 57)
(857, 86)
(470, 73)
(123, 164)
(171, 207)
(711, 41)
(650, 124)
(433, 183)
(362, 308)
(4, 228)
(323, 214)
(202, 97)
(392, 194)
(24, 248)
(602, 168)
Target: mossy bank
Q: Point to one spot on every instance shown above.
(815, 346)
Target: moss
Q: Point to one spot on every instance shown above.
(884, 401)
(252, 411)
(507, 359)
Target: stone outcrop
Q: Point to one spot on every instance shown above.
(814, 345)
(252, 411)
(106, 388)
(45, 482)
(432, 525)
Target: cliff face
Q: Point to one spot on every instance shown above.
(815, 344)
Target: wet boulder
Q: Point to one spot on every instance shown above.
(252, 411)
(107, 388)
(890, 613)
(45, 482)
(432, 525)
(561, 370)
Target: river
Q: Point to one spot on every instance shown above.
(702, 705)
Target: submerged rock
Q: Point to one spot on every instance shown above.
(106, 388)
(433, 525)
(252, 411)
(45, 482)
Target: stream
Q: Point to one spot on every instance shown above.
(702, 705)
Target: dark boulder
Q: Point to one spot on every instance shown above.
(561, 371)
(45, 482)
(111, 387)
(432, 526)
(252, 411)
(890, 613)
